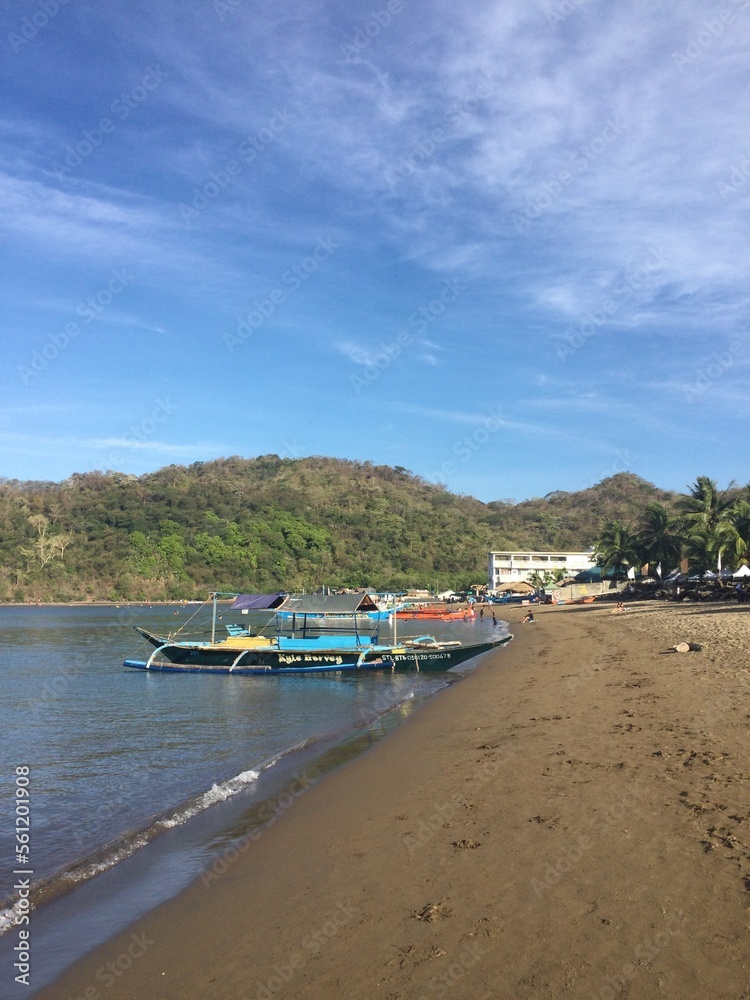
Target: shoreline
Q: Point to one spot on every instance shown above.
(103, 604)
(569, 816)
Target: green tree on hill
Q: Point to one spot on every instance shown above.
(274, 523)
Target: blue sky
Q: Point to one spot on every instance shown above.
(502, 245)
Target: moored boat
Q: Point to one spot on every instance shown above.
(252, 654)
(436, 614)
(310, 648)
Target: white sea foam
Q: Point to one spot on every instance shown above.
(87, 870)
(118, 851)
(217, 793)
(8, 918)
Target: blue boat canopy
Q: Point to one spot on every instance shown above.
(257, 602)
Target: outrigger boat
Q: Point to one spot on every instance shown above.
(308, 649)
(435, 614)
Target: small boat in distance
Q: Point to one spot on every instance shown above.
(308, 645)
(435, 614)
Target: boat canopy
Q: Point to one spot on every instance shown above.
(257, 602)
(329, 604)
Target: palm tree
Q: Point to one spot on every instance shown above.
(617, 549)
(658, 541)
(704, 514)
(700, 549)
(540, 580)
(733, 536)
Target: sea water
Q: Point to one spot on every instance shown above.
(134, 783)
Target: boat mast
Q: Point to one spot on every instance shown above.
(213, 620)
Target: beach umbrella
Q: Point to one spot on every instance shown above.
(743, 571)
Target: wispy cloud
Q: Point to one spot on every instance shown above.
(56, 443)
(159, 447)
(573, 176)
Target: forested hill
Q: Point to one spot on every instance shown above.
(574, 520)
(265, 523)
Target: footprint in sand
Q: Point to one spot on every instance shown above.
(432, 912)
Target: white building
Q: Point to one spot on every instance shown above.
(513, 567)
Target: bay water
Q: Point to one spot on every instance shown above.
(134, 783)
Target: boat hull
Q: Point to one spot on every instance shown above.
(208, 657)
(163, 666)
(441, 616)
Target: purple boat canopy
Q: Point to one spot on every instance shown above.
(257, 602)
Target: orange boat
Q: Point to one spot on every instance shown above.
(435, 614)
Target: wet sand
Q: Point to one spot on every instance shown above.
(571, 820)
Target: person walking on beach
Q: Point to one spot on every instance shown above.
(481, 613)
(494, 620)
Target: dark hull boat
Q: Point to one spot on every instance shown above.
(314, 654)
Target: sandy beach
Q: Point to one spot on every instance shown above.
(573, 819)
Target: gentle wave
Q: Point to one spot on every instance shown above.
(124, 847)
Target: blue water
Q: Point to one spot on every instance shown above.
(129, 771)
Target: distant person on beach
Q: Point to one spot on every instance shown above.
(620, 607)
(481, 613)
(494, 620)
(529, 617)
